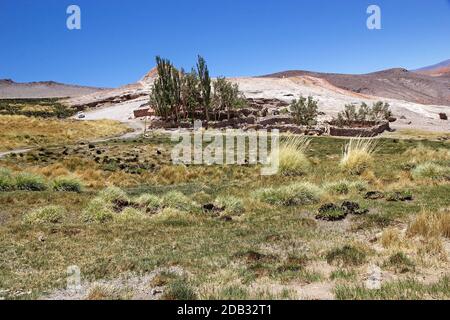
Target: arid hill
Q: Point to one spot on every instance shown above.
(44, 89)
(437, 70)
(396, 83)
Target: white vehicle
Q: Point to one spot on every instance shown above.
(81, 115)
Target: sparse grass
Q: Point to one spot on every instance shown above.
(49, 214)
(343, 187)
(346, 256)
(177, 200)
(21, 131)
(129, 214)
(421, 154)
(292, 155)
(299, 193)
(431, 171)
(391, 237)
(179, 289)
(290, 243)
(230, 204)
(358, 155)
(150, 202)
(67, 184)
(409, 289)
(400, 263)
(113, 194)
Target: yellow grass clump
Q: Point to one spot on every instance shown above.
(429, 224)
(22, 131)
(292, 153)
(358, 155)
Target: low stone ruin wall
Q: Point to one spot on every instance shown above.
(359, 131)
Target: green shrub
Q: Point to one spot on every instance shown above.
(431, 171)
(113, 194)
(67, 184)
(177, 200)
(30, 182)
(230, 204)
(299, 193)
(98, 211)
(346, 256)
(305, 111)
(150, 202)
(6, 180)
(49, 214)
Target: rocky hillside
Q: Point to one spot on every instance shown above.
(399, 84)
(438, 70)
(44, 89)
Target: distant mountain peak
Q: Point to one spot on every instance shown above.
(436, 70)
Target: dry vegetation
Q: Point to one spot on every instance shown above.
(21, 131)
(119, 208)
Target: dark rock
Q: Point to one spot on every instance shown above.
(399, 196)
(91, 146)
(443, 116)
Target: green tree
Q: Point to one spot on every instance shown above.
(205, 85)
(305, 110)
(226, 96)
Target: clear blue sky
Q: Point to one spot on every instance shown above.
(119, 38)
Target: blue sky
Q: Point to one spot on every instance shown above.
(119, 39)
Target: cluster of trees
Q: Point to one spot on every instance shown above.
(379, 111)
(305, 111)
(177, 95)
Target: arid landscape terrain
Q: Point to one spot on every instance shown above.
(344, 218)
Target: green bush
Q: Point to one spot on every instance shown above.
(67, 184)
(305, 111)
(30, 182)
(230, 204)
(98, 211)
(6, 180)
(49, 214)
(299, 193)
(431, 171)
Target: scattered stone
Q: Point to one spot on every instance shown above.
(374, 278)
(374, 195)
(443, 116)
(91, 146)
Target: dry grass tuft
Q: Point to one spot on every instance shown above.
(358, 155)
(293, 159)
(430, 225)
